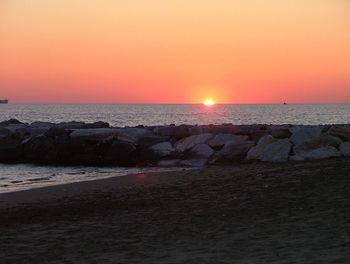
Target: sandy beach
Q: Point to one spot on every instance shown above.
(249, 213)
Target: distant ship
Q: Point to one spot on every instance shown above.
(5, 101)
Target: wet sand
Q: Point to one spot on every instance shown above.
(249, 213)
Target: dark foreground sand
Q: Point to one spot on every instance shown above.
(252, 213)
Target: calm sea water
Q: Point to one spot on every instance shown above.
(132, 115)
(19, 177)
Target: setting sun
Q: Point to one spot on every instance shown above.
(208, 102)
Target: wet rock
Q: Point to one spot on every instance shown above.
(169, 163)
(201, 151)
(302, 134)
(270, 149)
(221, 139)
(345, 149)
(342, 132)
(233, 150)
(191, 141)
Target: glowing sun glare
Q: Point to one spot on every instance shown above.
(208, 102)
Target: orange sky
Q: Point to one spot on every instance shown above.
(183, 51)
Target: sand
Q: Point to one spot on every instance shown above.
(249, 213)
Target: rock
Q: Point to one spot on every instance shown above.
(133, 135)
(194, 162)
(322, 147)
(10, 152)
(302, 134)
(176, 132)
(5, 133)
(95, 133)
(221, 139)
(191, 141)
(10, 122)
(213, 129)
(119, 153)
(72, 125)
(40, 149)
(280, 131)
(345, 149)
(169, 163)
(163, 149)
(315, 154)
(39, 124)
(55, 132)
(234, 150)
(98, 124)
(270, 149)
(342, 132)
(201, 151)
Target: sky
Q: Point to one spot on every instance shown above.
(183, 51)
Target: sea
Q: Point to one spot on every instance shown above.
(23, 176)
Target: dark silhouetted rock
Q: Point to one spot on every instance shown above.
(10, 122)
(120, 153)
(345, 149)
(342, 132)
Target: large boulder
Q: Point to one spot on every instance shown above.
(95, 134)
(10, 122)
(345, 149)
(302, 134)
(40, 149)
(133, 135)
(270, 149)
(191, 141)
(342, 132)
(322, 147)
(10, 147)
(233, 150)
(280, 131)
(221, 139)
(5, 133)
(162, 149)
(201, 151)
(315, 154)
(119, 153)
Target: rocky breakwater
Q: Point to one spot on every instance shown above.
(79, 143)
